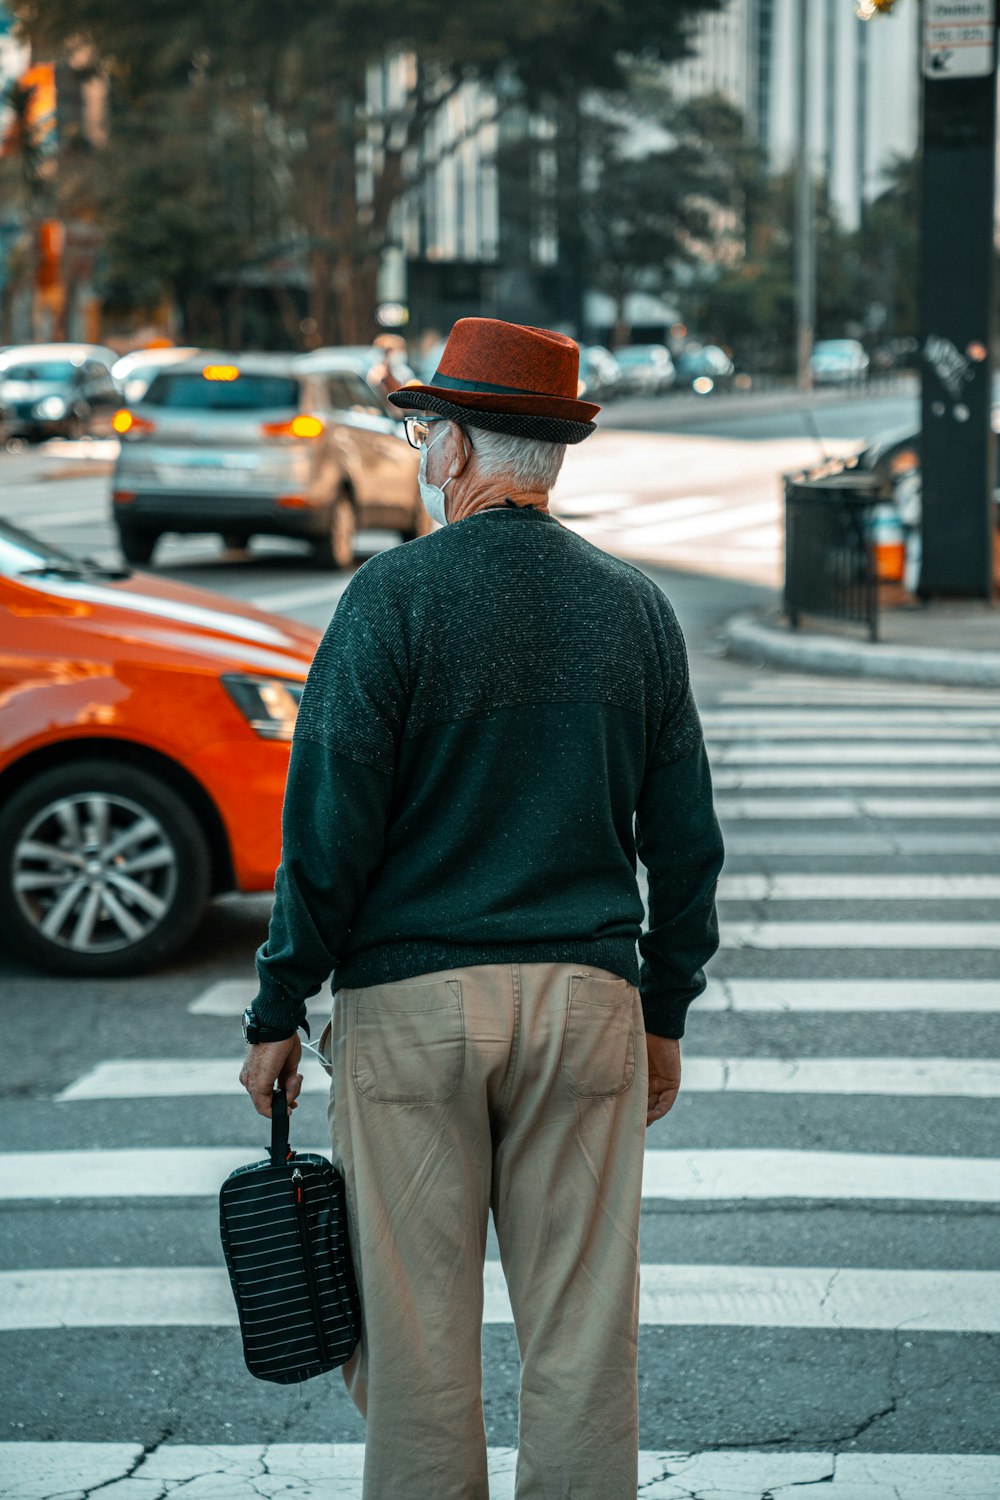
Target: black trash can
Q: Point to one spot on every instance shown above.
(830, 566)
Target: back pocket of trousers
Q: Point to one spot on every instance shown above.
(409, 1041)
(598, 1053)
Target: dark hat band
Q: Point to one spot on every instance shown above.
(454, 383)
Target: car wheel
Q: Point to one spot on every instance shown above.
(137, 546)
(104, 869)
(422, 523)
(236, 541)
(335, 548)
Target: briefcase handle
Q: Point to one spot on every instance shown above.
(279, 1128)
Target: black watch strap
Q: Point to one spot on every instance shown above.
(255, 1031)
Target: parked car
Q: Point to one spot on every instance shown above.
(648, 369)
(705, 368)
(57, 390)
(365, 359)
(601, 377)
(134, 372)
(893, 456)
(262, 445)
(144, 739)
(838, 362)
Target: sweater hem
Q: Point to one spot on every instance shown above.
(390, 962)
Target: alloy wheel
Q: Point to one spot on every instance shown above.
(94, 872)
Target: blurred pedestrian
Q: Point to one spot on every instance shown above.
(490, 706)
(390, 370)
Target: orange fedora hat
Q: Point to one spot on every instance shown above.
(507, 378)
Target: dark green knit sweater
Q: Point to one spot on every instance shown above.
(490, 708)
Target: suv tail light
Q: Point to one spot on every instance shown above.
(125, 422)
(302, 426)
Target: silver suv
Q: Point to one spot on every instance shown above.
(260, 444)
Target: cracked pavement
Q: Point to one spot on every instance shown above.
(726, 1413)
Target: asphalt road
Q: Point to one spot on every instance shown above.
(820, 1227)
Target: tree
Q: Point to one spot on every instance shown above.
(750, 304)
(25, 189)
(888, 246)
(302, 67)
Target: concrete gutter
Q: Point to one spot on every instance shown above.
(762, 638)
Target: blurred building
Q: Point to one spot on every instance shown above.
(475, 227)
(485, 223)
(863, 86)
(49, 237)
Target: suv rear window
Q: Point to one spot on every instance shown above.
(50, 370)
(193, 392)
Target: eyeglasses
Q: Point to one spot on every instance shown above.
(418, 429)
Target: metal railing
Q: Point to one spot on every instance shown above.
(830, 567)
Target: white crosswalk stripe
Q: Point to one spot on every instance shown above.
(777, 809)
(959, 1077)
(670, 1296)
(317, 1471)
(683, 1175)
(771, 747)
(858, 886)
(952, 996)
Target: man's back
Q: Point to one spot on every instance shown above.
(531, 683)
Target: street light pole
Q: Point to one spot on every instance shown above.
(805, 226)
(958, 170)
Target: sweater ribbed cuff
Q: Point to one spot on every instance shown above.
(664, 1018)
(273, 1006)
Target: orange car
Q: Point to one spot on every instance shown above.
(144, 741)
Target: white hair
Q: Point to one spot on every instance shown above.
(530, 462)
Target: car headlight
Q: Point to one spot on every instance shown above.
(51, 409)
(269, 704)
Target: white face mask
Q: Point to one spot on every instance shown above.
(432, 494)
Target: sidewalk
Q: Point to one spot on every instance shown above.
(957, 644)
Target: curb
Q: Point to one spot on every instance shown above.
(751, 637)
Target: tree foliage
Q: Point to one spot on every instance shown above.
(290, 78)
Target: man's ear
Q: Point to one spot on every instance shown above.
(462, 450)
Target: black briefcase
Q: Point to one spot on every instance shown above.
(284, 1233)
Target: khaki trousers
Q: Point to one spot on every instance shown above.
(521, 1089)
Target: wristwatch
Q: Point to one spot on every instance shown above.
(255, 1031)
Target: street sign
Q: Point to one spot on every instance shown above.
(959, 36)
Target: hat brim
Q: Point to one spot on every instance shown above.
(551, 419)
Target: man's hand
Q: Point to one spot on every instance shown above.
(664, 1055)
(268, 1063)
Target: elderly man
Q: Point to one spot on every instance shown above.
(490, 707)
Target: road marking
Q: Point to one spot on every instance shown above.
(624, 509)
(38, 519)
(300, 598)
(806, 695)
(733, 518)
(858, 887)
(682, 1175)
(315, 1471)
(839, 754)
(829, 778)
(779, 808)
(855, 734)
(589, 500)
(875, 935)
(958, 1077)
(861, 720)
(822, 843)
(867, 995)
(733, 1296)
(229, 997)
